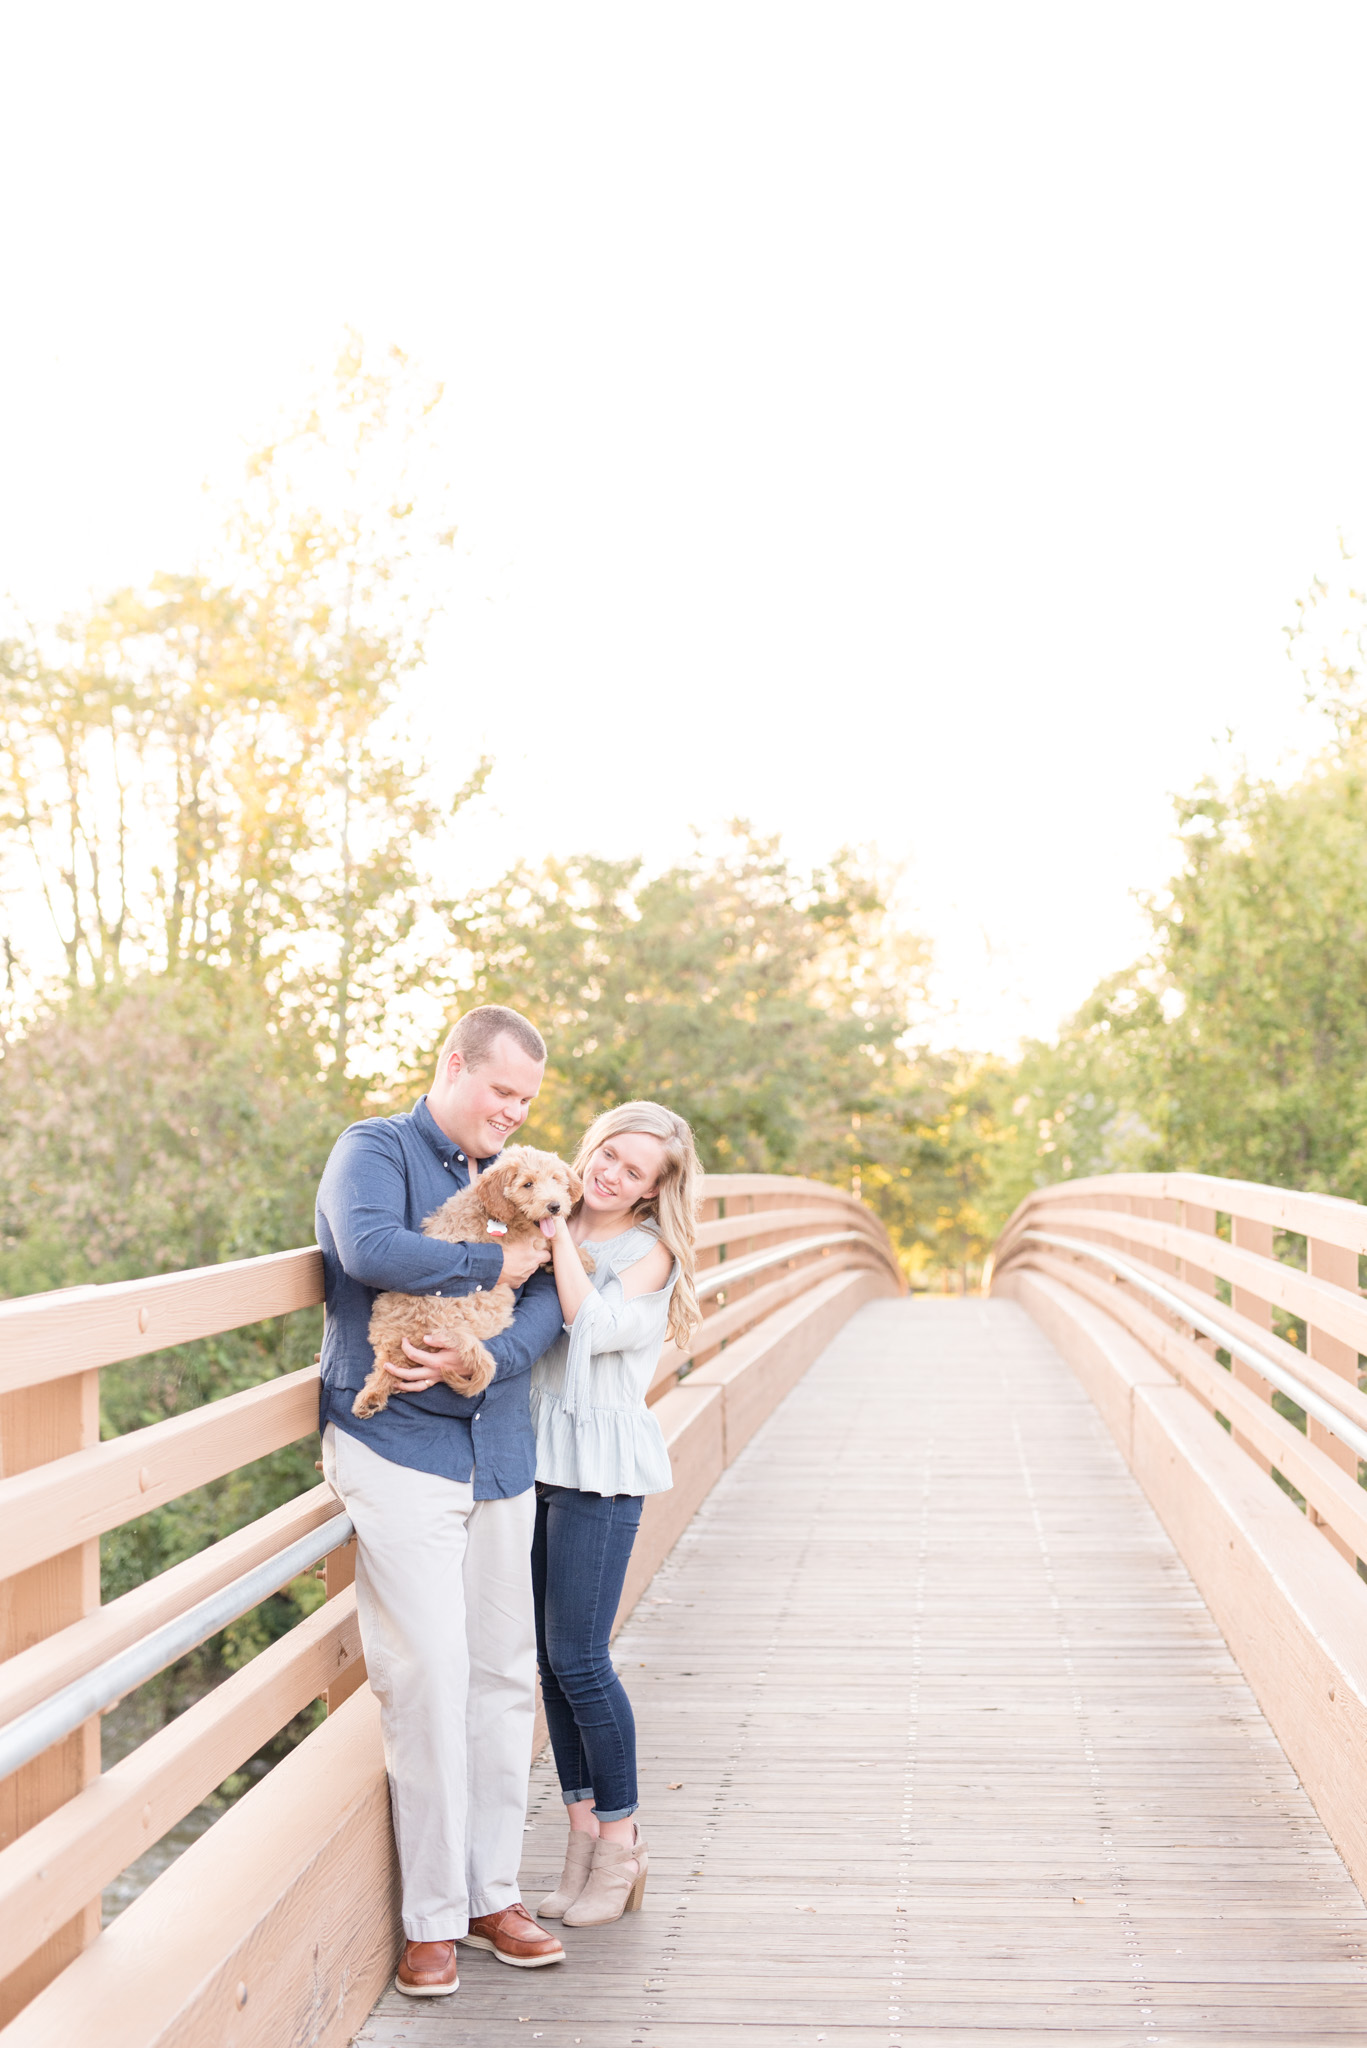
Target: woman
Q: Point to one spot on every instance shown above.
(599, 1451)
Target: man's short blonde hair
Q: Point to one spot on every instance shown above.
(474, 1035)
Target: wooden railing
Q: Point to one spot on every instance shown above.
(1220, 1327)
(279, 1924)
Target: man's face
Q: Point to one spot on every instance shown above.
(482, 1106)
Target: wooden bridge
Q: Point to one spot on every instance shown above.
(999, 1663)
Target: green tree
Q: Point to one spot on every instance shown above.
(770, 1007)
(209, 774)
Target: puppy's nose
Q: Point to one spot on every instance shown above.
(554, 1208)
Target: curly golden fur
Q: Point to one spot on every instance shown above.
(524, 1187)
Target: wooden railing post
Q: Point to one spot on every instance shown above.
(1250, 1236)
(1196, 1217)
(36, 1426)
(339, 1572)
(1340, 1267)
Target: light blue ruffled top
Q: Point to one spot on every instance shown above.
(593, 1429)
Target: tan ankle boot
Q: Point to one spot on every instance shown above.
(613, 1887)
(573, 1878)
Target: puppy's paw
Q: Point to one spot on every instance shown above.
(374, 1396)
(587, 1261)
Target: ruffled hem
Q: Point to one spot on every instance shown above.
(599, 1450)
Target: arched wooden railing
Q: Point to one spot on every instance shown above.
(1220, 1328)
(279, 1924)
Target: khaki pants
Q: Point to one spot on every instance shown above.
(444, 1596)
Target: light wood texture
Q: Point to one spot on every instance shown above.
(78, 1497)
(40, 1598)
(277, 1927)
(691, 1420)
(44, 1669)
(339, 1572)
(788, 1222)
(52, 1868)
(755, 1373)
(748, 1308)
(1290, 1608)
(1339, 1504)
(1257, 1279)
(1048, 1807)
(74, 1329)
(1328, 1217)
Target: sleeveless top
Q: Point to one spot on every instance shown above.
(593, 1429)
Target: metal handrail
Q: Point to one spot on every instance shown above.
(1347, 1431)
(52, 1719)
(717, 1277)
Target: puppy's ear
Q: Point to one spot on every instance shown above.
(576, 1186)
(493, 1186)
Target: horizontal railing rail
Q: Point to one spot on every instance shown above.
(1221, 1327)
(779, 1258)
(1291, 1384)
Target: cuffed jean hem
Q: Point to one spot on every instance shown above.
(622, 1813)
(574, 1798)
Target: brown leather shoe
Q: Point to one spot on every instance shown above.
(428, 1969)
(515, 1938)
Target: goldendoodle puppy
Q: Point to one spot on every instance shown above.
(506, 1205)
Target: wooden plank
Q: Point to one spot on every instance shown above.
(1258, 1280)
(1341, 1504)
(40, 1598)
(749, 1308)
(46, 1667)
(755, 1373)
(339, 1570)
(1328, 1217)
(691, 1420)
(791, 1222)
(1290, 1609)
(47, 1336)
(279, 1925)
(80, 1496)
(88, 1841)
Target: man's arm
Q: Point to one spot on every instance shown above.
(363, 1194)
(536, 1325)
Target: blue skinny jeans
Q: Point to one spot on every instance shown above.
(579, 1560)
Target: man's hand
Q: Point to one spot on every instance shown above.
(421, 1368)
(520, 1261)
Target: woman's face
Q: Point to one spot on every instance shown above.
(623, 1171)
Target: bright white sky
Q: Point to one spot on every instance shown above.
(900, 423)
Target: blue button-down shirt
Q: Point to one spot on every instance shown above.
(384, 1177)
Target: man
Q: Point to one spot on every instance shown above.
(440, 1489)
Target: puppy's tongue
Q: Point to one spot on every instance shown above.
(548, 1226)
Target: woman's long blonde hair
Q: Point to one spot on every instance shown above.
(673, 1208)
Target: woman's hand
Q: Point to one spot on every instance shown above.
(572, 1284)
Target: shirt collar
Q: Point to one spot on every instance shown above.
(431, 1131)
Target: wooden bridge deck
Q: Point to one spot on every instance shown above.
(961, 1756)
